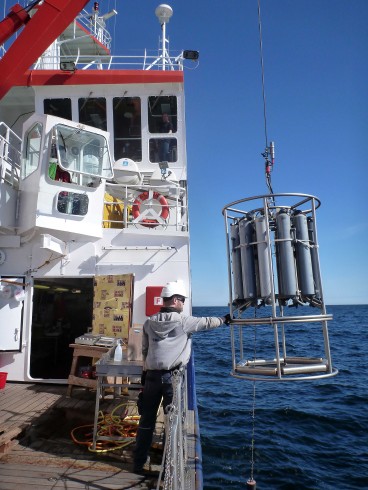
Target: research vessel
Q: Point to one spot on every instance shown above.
(94, 200)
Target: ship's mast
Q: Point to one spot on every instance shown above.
(163, 12)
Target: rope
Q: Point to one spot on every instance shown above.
(262, 69)
(253, 413)
(268, 150)
(174, 460)
(119, 431)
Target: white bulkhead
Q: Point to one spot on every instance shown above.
(75, 222)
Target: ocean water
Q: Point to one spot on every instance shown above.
(308, 435)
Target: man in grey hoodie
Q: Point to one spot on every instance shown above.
(166, 346)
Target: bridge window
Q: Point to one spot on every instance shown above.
(92, 111)
(32, 150)
(58, 107)
(163, 150)
(82, 152)
(127, 128)
(162, 114)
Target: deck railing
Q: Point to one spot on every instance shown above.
(145, 61)
(10, 156)
(175, 470)
(94, 25)
(122, 202)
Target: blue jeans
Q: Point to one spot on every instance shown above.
(158, 385)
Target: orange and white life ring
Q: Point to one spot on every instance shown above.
(136, 209)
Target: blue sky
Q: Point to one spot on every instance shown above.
(316, 79)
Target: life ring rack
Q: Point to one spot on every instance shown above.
(158, 218)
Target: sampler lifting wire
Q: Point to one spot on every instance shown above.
(269, 153)
(273, 266)
(273, 261)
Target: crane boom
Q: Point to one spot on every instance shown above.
(17, 17)
(48, 22)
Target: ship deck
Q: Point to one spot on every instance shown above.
(37, 450)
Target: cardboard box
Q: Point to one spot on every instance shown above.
(135, 343)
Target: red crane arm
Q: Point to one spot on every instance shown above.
(12, 22)
(49, 21)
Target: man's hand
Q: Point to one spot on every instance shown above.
(227, 319)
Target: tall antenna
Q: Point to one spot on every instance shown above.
(164, 13)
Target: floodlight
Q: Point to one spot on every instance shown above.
(67, 66)
(189, 54)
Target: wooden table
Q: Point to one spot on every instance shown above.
(82, 350)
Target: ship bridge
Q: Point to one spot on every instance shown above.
(138, 101)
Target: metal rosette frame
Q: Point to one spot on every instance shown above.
(275, 282)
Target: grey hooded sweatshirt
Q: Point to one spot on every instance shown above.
(167, 342)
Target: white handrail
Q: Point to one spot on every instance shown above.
(95, 25)
(10, 156)
(178, 212)
(108, 62)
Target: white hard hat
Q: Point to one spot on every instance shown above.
(174, 287)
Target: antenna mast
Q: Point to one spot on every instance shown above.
(164, 13)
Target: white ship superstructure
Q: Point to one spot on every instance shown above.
(91, 187)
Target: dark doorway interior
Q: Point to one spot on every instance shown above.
(62, 311)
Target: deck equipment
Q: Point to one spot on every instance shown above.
(273, 267)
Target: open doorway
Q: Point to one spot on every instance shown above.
(62, 311)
